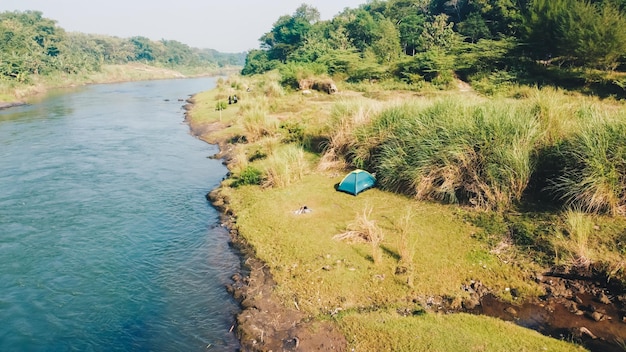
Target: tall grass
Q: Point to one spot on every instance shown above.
(346, 116)
(572, 243)
(286, 166)
(258, 123)
(593, 173)
(455, 151)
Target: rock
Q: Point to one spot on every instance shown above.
(11, 104)
(603, 298)
(572, 307)
(511, 311)
(578, 300)
(471, 302)
(307, 92)
(595, 316)
(585, 332)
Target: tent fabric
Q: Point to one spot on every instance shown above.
(356, 182)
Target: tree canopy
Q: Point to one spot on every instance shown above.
(426, 39)
(31, 44)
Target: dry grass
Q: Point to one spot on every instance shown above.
(406, 249)
(364, 229)
(573, 242)
(286, 166)
(346, 117)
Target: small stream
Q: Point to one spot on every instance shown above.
(582, 311)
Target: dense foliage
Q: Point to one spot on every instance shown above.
(436, 40)
(31, 44)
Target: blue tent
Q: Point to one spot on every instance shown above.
(357, 181)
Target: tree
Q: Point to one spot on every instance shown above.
(387, 45)
(144, 49)
(579, 32)
(474, 27)
(438, 34)
(289, 33)
(257, 61)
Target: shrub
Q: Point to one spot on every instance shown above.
(249, 176)
(221, 105)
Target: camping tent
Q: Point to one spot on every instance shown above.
(357, 181)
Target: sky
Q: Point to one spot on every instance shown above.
(227, 26)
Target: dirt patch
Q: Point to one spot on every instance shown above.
(264, 323)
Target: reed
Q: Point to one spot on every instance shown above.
(258, 123)
(455, 151)
(286, 166)
(593, 173)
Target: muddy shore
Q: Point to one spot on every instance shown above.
(580, 306)
(6, 105)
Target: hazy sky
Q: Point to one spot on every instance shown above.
(224, 25)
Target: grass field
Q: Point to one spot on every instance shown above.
(403, 250)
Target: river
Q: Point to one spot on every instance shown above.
(107, 242)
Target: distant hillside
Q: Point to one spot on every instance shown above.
(31, 45)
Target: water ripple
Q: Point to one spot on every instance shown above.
(106, 240)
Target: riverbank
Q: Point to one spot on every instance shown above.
(302, 287)
(17, 94)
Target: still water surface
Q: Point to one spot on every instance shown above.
(106, 240)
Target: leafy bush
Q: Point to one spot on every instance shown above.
(249, 176)
(221, 105)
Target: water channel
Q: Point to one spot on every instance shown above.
(107, 242)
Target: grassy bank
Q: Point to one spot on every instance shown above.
(449, 213)
(13, 91)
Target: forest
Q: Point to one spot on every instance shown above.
(32, 45)
(488, 43)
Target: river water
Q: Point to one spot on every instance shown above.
(106, 240)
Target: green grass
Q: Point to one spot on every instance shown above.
(489, 148)
(300, 248)
(389, 331)
(451, 150)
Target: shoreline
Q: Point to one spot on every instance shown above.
(264, 324)
(7, 105)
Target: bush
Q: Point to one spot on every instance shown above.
(249, 176)
(221, 105)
